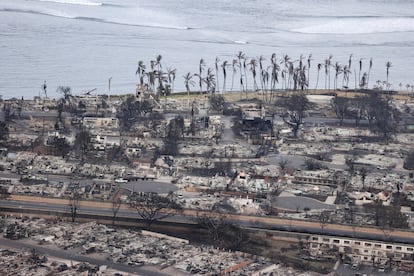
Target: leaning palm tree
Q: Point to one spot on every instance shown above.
(188, 82)
(216, 63)
(224, 65)
(317, 77)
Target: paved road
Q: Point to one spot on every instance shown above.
(188, 216)
(346, 270)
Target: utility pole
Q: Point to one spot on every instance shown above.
(109, 87)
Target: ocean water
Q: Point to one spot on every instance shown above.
(83, 43)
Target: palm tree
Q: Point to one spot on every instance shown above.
(162, 78)
(240, 56)
(224, 65)
(151, 79)
(265, 80)
(326, 73)
(360, 69)
(274, 76)
(345, 79)
(363, 81)
(291, 71)
(317, 77)
(216, 63)
(350, 62)
(338, 71)
(188, 82)
(388, 65)
(241, 79)
(369, 71)
(158, 62)
(245, 74)
(283, 74)
(44, 87)
(329, 71)
(171, 77)
(234, 73)
(210, 80)
(253, 65)
(286, 62)
(140, 72)
(309, 65)
(300, 62)
(200, 75)
(261, 59)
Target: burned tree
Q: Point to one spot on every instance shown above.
(217, 102)
(175, 131)
(4, 192)
(132, 111)
(340, 106)
(83, 142)
(386, 119)
(4, 132)
(116, 205)
(74, 203)
(409, 161)
(296, 106)
(152, 206)
(61, 146)
(222, 232)
(324, 219)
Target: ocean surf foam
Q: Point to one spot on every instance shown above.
(361, 26)
(74, 2)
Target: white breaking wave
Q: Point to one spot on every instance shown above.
(136, 17)
(361, 26)
(74, 2)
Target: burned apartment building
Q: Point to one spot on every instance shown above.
(384, 255)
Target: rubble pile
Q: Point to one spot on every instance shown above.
(132, 247)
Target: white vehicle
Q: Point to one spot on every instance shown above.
(121, 180)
